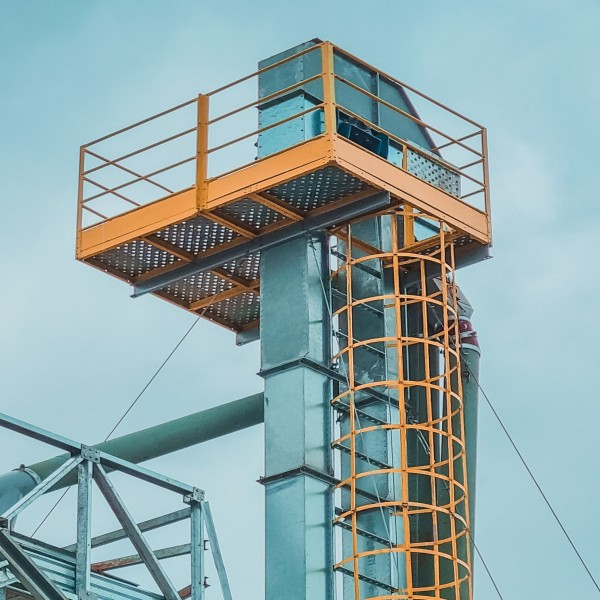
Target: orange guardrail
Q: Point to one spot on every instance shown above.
(216, 134)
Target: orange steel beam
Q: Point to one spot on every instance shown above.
(276, 205)
(243, 231)
(110, 270)
(409, 188)
(188, 257)
(232, 277)
(234, 291)
(138, 223)
(168, 247)
(270, 171)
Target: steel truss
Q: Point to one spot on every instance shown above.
(51, 573)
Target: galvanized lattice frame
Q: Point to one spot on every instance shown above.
(92, 465)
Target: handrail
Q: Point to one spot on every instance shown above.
(264, 69)
(405, 144)
(328, 77)
(142, 122)
(245, 165)
(127, 170)
(486, 178)
(472, 164)
(467, 176)
(460, 139)
(268, 98)
(128, 183)
(472, 193)
(103, 187)
(113, 217)
(140, 150)
(95, 212)
(405, 114)
(266, 128)
(408, 87)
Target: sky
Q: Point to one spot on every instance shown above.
(75, 349)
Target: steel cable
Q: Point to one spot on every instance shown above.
(135, 401)
(127, 411)
(535, 481)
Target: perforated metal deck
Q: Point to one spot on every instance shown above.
(228, 293)
(232, 190)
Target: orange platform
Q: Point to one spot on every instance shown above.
(216, 214)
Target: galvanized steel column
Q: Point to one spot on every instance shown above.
(295, 343)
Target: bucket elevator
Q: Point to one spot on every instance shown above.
(325, 215)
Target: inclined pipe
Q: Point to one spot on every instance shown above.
(143, 445)
(470, 356)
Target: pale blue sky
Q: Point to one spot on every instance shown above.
(75, 349)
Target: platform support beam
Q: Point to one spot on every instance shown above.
(299, 507)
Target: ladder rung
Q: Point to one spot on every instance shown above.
(373, 394)
(360, 266)
(364, 533)
(368, 459)
(367, 346)
(345, 408)
(362, 493)
(343, 296)
(369, 580)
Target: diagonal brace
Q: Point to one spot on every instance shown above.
(35, 581)
(42, 488)
(134, 534)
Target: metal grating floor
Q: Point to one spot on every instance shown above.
(135, 258)
(197, 235)
(197, 287)
(238, 311)
(251, 213)
(317, 189)
(227, 293)
(246, 268)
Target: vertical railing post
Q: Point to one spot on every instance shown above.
(409, 220)
(409, 226)
(197, 549)
(328, 89)
(80, 201)
(202, 153)
(83, 551)
(486, 181)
